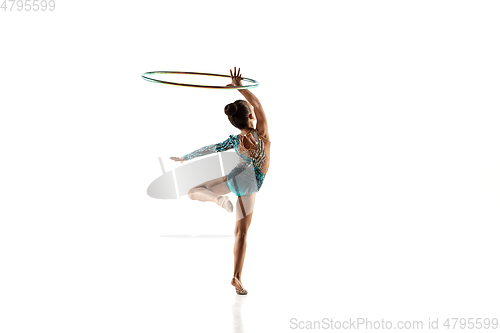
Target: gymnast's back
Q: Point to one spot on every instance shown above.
(257, 147)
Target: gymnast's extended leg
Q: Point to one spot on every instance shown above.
(244, 213)
(212, 190)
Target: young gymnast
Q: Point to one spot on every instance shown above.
(253, 148)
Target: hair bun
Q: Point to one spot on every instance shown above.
(231, 109)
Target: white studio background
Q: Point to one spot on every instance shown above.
(383, 195)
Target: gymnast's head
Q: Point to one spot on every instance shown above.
(240, 114)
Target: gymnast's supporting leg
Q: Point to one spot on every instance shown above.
(244, 213)
(212, 190)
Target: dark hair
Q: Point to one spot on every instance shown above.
(238, 113)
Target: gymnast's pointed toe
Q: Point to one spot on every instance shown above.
(240, 290)
(226, 204)
(229, 205)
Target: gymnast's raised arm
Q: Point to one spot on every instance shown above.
(253, 100)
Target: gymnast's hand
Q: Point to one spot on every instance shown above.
(236, 78)
(178, 159)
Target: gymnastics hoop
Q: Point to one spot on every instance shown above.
(255, 83)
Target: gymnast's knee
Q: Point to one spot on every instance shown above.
(240, 234)
(192, 191)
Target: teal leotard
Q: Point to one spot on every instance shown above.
(247, 176)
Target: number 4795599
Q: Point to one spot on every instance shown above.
(471, 323)
(28, 5)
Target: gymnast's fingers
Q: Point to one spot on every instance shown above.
(177, 159)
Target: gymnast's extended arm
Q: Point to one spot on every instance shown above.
(253, 100)
(257, 108)
(210, 149)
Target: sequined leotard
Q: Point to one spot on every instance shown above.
(254, 154)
